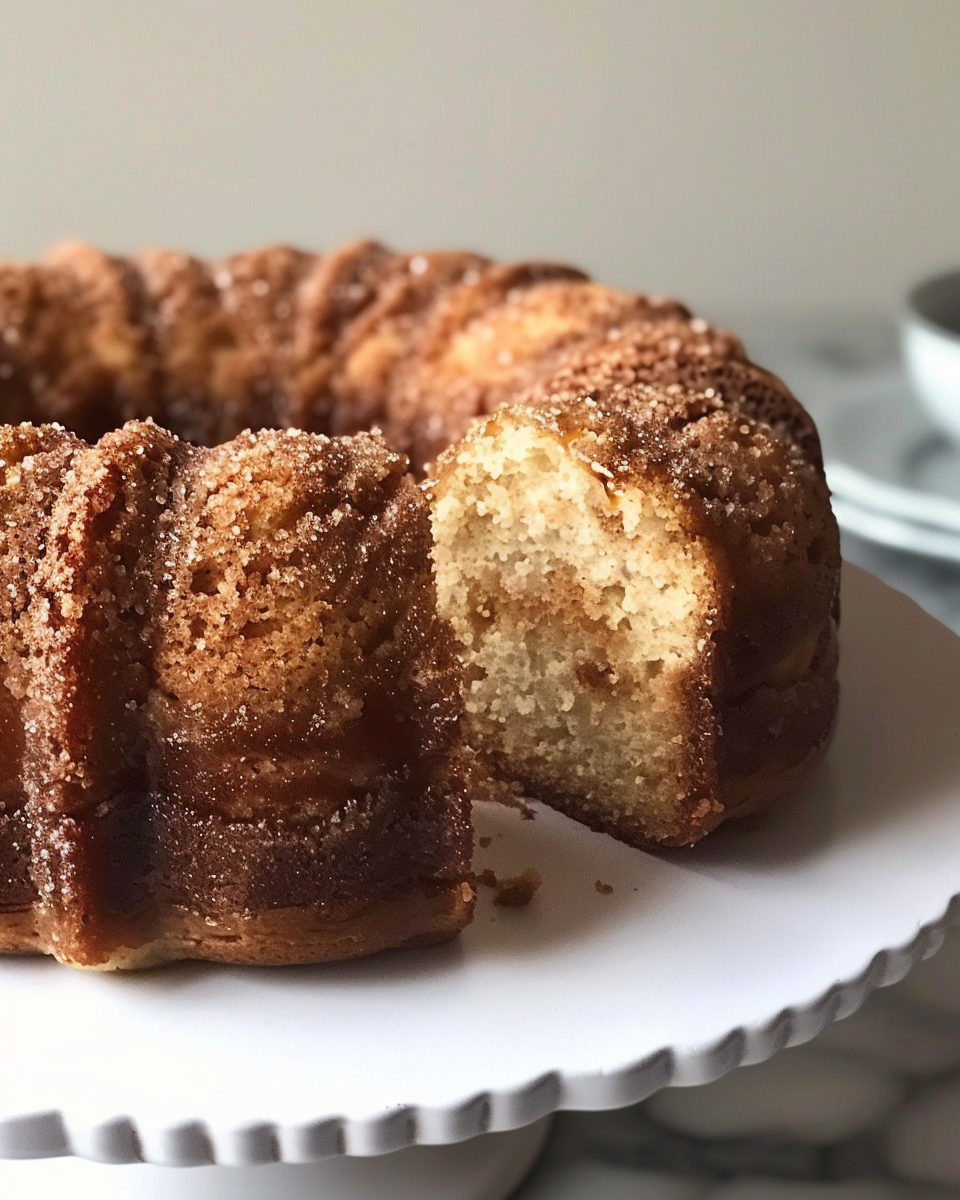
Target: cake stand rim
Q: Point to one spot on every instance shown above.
(123, 1138)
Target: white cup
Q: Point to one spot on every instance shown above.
(930, 334)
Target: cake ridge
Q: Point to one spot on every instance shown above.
(183, 802)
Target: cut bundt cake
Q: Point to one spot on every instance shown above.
(231, 705)
(641, 564)
(624, 593)
(633, 543)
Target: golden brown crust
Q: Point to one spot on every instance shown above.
(419, 916)
(18, 932)
(388, 333)
(334, 343)
(73, 347)
(690, 368)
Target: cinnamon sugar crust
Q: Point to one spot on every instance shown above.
(239, 697)
(33, 464)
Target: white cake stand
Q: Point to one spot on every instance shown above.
(697, 961)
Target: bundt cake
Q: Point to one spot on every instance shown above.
(231, 712)
(633, 546)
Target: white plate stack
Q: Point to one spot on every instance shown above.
(895, 479)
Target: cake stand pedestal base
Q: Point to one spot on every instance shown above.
(484, 1168)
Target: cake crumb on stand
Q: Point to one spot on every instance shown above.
(515, 891)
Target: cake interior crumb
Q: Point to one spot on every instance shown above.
(579, 615)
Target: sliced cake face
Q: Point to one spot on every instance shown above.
(585, 612)
(241, 708)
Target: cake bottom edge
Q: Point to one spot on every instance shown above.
(426, 914)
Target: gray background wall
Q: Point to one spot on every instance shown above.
(744, 154)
